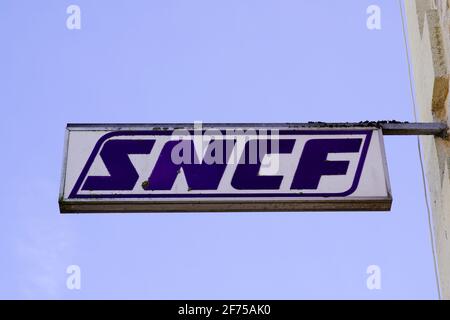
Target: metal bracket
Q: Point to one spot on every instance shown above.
(389, 127)
(438, 129)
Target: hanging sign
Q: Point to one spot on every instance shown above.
(218, 167)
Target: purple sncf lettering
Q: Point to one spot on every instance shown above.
(199, 175)
(123, 175)
(314, 164)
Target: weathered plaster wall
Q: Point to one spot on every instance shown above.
(429, 42)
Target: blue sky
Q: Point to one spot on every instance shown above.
(210, 61)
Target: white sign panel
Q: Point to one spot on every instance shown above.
(190, 168)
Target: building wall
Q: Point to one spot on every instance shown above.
(428, 23)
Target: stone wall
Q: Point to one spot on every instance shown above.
(428, 23)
